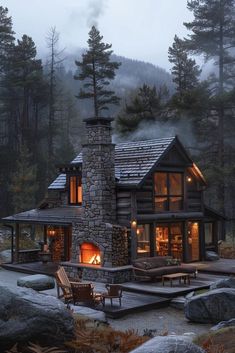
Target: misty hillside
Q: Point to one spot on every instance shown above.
(131, 75)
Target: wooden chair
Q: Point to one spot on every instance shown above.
(64, 285)
(84, 293)
(113, 291)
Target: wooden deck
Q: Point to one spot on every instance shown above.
(141, 296)
(203, 281)
(131, 303)
(33, 268)
(137, 296)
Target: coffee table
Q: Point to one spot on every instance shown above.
(179, 275)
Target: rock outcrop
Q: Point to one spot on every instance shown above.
(36, 282)
(223, 324)
(212, 256)
(224, 283)
(211, 307)
(26, 315)
(168, 344)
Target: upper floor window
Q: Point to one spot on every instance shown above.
(168, 191)
(75, 190)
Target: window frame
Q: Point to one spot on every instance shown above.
(168, 196)
(78, 183)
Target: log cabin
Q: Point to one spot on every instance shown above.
(115, 203)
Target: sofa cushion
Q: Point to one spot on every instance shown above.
(147, 263)
(188, 268)
(140, 264)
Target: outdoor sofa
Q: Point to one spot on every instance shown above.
(157, 266)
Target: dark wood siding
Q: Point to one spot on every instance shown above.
(144, 197)
(123, 206)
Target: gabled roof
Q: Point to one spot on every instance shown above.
(133, 160)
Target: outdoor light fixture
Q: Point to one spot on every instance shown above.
(189, 179)
(133, 223)
(51, 232)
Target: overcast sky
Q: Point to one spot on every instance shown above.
(137, 29)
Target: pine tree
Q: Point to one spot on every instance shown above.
(23, 185)
(213, 30)
(96, 70)
(147, 104)
(25, 80)
(185, 71)
(6, 46)
(54, 61)
(6, 38)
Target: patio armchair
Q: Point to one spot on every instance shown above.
(114, 291)
(84, 293)
(64, 289)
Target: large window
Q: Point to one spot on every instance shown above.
(143, 240)
(75, 190)
(168, 191)
(208, 233)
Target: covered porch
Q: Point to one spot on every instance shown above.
(41, 235)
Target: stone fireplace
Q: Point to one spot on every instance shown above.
(90, 254)
(100, 246)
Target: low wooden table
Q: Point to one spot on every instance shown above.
(179, 275)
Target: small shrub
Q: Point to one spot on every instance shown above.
(220, 341)
(35, 348)
(103, 339)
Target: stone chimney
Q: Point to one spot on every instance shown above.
(98, 171)
(97, 228)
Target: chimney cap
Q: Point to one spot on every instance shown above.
(98, 121)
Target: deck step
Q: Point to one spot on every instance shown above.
(132, 303)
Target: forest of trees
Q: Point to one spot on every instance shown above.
(41, 119)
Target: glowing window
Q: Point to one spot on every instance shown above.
(168, 190)
(75, 190)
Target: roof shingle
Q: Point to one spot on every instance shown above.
(133, 160)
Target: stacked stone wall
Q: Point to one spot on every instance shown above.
(110, 239)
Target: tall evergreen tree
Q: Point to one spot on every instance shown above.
(6, 47)
(25, 78)
(23, 184)
(53, 63)
(185, 71)
(96, 70)
(6, 38)
(213, 35)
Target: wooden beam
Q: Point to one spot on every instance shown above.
(17, 243)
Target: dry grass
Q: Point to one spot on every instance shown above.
(227, 252)
(90, 337)
(221, 341)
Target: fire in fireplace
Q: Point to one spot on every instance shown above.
(90, 254)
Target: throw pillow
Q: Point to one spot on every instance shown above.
(147, 266)
(172, 262)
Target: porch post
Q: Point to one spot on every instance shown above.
(17, 243)
(45, 234)
(133, 226)
(133, 243)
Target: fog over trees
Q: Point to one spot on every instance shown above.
(41, 119)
